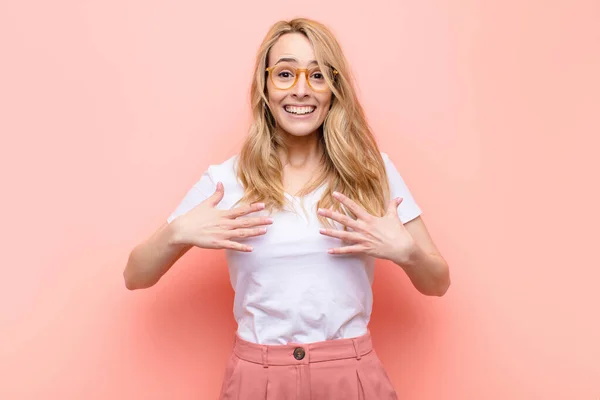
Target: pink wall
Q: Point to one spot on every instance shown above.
(110, 110)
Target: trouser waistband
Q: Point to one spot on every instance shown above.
(298, 353)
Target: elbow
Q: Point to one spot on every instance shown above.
(130, 283)
(443, 287)
(442, 291)
(440, 284)
(132, 277)
(133, 283)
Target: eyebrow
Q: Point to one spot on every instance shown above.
(291, 59)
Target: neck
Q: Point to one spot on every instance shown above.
(303, 151)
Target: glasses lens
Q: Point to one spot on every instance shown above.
(317, 80)
(284, 76)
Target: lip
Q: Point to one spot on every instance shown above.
(300, 116)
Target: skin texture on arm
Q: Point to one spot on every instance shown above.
(152, 258)
(426, 268)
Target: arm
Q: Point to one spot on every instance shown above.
(151, 259)
(426, 268)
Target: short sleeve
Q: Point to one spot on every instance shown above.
(204, 188)
(408, 209)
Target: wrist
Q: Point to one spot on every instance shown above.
(410, 258)
(174, 232)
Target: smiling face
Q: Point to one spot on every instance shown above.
(298, 111)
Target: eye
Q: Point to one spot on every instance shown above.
(284, 72)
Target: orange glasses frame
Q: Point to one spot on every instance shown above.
(298, 71)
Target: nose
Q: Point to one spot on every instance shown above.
(301, 87)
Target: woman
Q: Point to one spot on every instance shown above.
(302, 294)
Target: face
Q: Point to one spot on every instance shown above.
(298, 111)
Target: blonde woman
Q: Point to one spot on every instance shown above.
(302, 211)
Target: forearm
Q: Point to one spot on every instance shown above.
(150, 260)
(429, 273)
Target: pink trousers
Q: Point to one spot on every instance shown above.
(347, 369)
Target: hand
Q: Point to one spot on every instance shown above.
(382, 237)
(209, 228)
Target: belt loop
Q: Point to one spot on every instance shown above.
(264, 357)
(355, 343)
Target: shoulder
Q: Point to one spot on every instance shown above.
(225, 171)
(386, 160)
(393, 174)
(385, 156)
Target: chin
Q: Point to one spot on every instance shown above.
(298, 131)
(298, 128)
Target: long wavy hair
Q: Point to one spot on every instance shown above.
(351, 162)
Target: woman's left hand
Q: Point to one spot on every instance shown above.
(381, 237)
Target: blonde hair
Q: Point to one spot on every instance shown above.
(351, 162)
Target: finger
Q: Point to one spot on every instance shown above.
(243, 210)
(249, 222)
(231, 245)
(244, 233)
(357, 248)
(393, 206)
(360, 212)
(347, 236)
(217, 195)
(341, 218)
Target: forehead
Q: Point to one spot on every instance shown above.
(294, 45)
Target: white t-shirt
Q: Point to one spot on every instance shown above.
(289, 289)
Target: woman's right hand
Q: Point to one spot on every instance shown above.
(207, 227)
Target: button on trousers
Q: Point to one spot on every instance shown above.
(344, 369)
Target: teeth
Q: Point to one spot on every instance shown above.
(299, 110)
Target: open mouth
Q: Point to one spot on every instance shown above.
(300, 110)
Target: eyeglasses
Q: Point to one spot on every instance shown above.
(284, 77)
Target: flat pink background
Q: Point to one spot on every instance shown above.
(111, 110)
